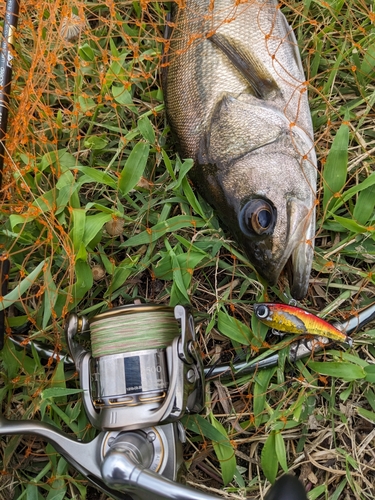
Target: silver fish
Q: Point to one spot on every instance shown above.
(236, 98)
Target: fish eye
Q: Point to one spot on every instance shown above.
(262, 311)
(258, 216)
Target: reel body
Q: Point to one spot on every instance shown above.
(139, 388)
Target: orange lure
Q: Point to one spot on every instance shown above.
(290, 319)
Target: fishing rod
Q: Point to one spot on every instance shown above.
(7, 45)
(298, 349)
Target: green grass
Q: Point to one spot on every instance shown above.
(89, 146)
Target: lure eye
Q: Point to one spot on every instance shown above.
(258, 216)
(262, 311)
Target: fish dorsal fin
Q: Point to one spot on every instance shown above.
(260, 80)
(235, 130)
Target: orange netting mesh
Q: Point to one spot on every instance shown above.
(84, 72)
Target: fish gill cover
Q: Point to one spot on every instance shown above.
(98, 210)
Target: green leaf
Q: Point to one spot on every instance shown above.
(62, 466)
(281, 451)
(146, 129)
(122, 96)
(58, 382)
(168, 164)
(15, 220)
(16, 294)
(134, 167)
(192, 199)
(348, 356)
(343, 370)
(84, 281)
(50, 296)
(78, 230)
(268, 458)
(370, 373)
(114, 50)
(10, 362)
(217, 434)
(58, 490)
(45, 204)
(178, 280)
(86, 103)
(349, 193)
(120, 275)
(62, 415)
(262, 381)
(58, 392)
(201, 426)
(225, 454)
(67, 192)
(73, 410)
(367, 414)
(335, 169)
(61, 158)
(368, 64)
(96, 175)
(86, 53)
(115, 73)
(364, 206)
(32, 492)
(350, 224)
(95, 142)
(160, 229)
(178, 267)
(183, 169)
(234, 329)
(94, 224)
(370, 396)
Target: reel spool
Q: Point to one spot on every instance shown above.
(143, 368)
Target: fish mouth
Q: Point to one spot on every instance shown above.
(296, 254)
(301, 251)
(298, 268)
(298, 275)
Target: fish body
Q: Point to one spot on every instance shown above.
(290, 319)
(236, 99)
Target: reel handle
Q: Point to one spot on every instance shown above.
(117, 474)
(121, 472)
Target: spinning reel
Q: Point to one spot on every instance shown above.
(135, 397)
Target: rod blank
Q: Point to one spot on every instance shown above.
(7, 45)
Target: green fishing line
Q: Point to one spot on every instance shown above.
(135, 331)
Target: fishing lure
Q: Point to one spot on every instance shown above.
(290, 319)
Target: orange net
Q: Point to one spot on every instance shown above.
(84, 75)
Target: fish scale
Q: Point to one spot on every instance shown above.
(236, 99)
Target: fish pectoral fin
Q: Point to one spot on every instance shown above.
(260, 80)
(237, 127)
